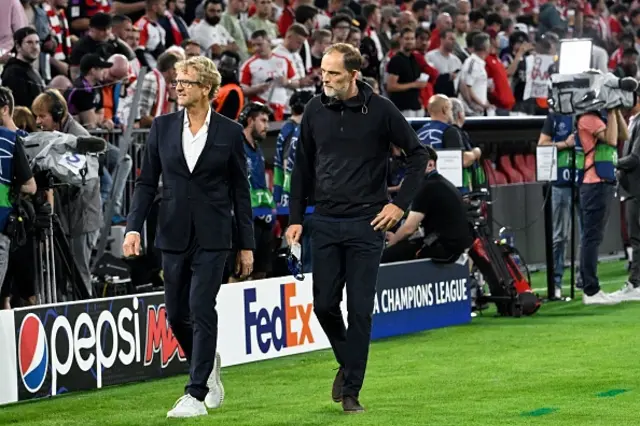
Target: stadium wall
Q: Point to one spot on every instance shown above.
(67, 347)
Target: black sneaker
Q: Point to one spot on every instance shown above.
(351, 405)
(338, 382)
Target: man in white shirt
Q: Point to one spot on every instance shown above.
(446, 62)
(473, 82)
(210, 34)
(200, 155)
(290, 48)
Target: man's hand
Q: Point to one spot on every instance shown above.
(387, 218)
(131, 245)
(244, 263)
(294, 232)
(571, 141)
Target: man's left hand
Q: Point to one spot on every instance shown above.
(387, 218)
(244, 263)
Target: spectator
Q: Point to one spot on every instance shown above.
(476, 21)
(152, 35)
(340, 27)
(122, 27)
(212, 37)
(355, 37)
(628, 66)
(296, 35)
(191, 48)
(474, 82)
(388, 26)
(61, 31)
(261, 20)
(60, 83)
(175, 28)
(460, 28)
(95, 42)
(500, 93)
(156, 98)
(320, 41)
(370, 47)
(443, 22)
(18, 74)
(306, 16)
(231, 22)
(230, 99)
(134, 9)
(446, 63)
(405, 81)
(12, 19)
(81, 12)
(85, 98)
(265, 77)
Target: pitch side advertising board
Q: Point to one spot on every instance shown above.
(79, 346)
(70, 347)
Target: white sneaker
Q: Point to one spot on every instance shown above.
(187, 406)
(215, 396)
(600, 298)
(627, 293)
(558, 293)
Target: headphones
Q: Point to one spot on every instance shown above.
(57, 109)
(250, 109)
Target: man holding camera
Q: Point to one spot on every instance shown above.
(15, 174)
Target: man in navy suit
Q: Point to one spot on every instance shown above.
(200, 155)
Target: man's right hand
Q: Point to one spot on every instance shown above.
(294, 232)
(131, 245)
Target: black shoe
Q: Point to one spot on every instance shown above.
(350, 405)
(338, 382)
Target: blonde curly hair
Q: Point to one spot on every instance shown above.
(208, 74)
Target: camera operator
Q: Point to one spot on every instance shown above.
(79, 209)
(440, 210)
(15, 176)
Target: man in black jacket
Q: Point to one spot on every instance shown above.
(342, 158)
(19, 75)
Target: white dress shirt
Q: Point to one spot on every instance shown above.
(192, 145)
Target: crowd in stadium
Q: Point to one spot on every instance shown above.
(73, 66)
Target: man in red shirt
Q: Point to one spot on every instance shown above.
(500, 93)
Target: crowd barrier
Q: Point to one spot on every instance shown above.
(68, 347)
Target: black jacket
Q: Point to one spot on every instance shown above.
(25, 83)
(343, 154)
(200, 201)
(629, 164)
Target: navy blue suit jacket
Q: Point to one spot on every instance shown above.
(203, 199)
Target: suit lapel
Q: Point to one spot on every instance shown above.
(211, 136)
(180, 129)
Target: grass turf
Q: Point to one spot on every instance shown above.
(567, 365)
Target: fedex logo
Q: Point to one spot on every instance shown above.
(265, 323)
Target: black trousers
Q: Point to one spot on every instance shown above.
(632, 211)
(346, 251)
(192, 281)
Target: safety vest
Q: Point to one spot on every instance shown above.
(284, 161)
(223, 92)
(7, 146)
(261, 196)
(604, 158)
(562, 128)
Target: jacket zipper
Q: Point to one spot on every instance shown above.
(341, 120)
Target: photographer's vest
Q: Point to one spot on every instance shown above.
(261, 197)
(7, 147)
(604, 158)
(432, 134)
(562, 128)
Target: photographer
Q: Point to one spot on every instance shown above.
(15, 177)
(439, 208)
(79, 209)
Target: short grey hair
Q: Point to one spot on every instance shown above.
(481, 42)
(457, 109)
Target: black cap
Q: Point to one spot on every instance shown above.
(100, 21)
(91, 61)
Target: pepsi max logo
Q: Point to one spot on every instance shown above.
(33, 353)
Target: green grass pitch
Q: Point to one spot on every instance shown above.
(567, 365)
